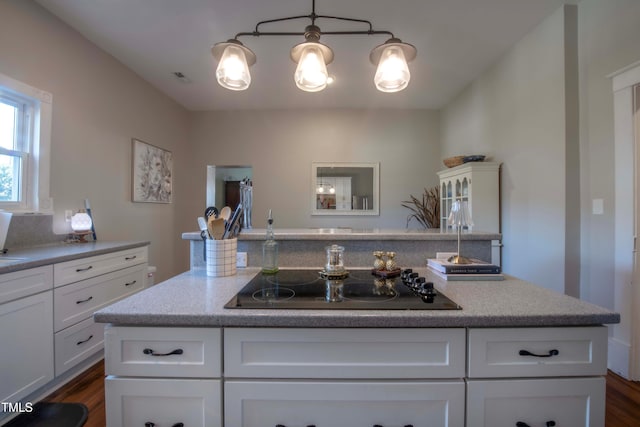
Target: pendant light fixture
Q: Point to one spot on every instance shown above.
(311, 75)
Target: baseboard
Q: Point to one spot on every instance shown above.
(618, 360)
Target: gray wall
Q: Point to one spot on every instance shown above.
(280, 146)
(98, 106)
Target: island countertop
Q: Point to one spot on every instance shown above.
(194, 299)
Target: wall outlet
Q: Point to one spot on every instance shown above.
(241, 260)
(67, 215)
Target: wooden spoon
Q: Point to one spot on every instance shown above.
(216, 227)
(225, 213)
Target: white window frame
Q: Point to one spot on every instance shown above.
(35, 186)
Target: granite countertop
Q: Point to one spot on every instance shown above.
(344, 233)
(36, 256)
(193, 299)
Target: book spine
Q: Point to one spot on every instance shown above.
(472, 270)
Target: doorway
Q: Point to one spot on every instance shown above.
(624, 342)
(221, 182)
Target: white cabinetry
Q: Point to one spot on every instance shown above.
(26, 332)
(83, 286)
(334, 193)
(477, 183)
(502, 365)
(163, 376)
(344, 377)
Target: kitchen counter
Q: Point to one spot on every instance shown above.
(193, 299)
(36, 256)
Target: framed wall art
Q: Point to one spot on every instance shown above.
(152, 173)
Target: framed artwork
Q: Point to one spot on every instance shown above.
(152, 173)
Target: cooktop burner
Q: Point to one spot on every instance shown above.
(361, 290)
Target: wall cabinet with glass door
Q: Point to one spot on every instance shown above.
(477, 183)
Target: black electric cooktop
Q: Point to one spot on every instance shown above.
(361, 290)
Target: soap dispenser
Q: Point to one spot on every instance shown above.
(270, 250)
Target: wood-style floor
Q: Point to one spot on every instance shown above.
(623, 398)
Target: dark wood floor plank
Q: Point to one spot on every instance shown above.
(623, 398)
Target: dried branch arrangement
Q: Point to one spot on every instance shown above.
(427, 210)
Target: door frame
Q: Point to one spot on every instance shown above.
(624, 342)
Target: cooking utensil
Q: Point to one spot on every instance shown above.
(202, 223)
(211, 211)
(217, 227)
(230, 230)
(225, 213)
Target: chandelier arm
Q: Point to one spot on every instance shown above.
(288, 18)
(340, 18)
(334, 33)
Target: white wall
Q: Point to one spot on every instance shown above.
(515, 114)
(98, 106)
(281, 144)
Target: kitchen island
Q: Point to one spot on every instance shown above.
(515, 353)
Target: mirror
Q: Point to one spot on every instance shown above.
(345, 188)
(223, 184)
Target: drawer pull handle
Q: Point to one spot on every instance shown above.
(84, 341)
(130, 283)
(149, 424)
(129, 258)
(551, 353)
(84, 300)
(80, 270)
(548, 424)
(152, 353)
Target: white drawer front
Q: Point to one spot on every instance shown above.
(25, 282)
(515, 352)
(136, 402)
(80, 269)
(344, 404)
(78, 301)
(569, 402)
(344, 353)
(76, 343)
(163, 352)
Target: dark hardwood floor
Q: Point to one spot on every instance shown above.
(623, 398)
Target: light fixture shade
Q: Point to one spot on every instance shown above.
(392, 74)
(233, 65)
(81, 221)
(311, 73)
(460, 215)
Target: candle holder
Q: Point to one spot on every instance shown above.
(459, 217)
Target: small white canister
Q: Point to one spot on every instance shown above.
(221, 257)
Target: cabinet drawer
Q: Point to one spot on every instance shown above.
(344, 403)
(163, 352)
(158, 402)
(23, 283)
(80, 269)
(568, 402)
(537, 352)
(344, 353)
(76, 343)
(78, 301)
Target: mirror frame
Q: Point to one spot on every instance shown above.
(375, 209)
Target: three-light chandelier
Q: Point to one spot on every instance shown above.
(391, 57)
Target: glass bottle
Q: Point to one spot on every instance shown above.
(270, 250)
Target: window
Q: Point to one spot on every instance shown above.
(25, 129)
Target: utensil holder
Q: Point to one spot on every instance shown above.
(221, 257)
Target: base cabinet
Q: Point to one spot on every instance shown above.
(571, 402)
(154, 402)
(344, 403)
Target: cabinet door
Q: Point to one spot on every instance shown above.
(26, 345)
(348, 404)
(575, 402)
(136, 402)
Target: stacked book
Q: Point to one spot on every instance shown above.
(477, 270)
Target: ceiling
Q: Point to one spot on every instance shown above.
(456, 41)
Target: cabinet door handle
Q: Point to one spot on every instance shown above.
(129, 258)
(84, 300)
(553, 352)
(80, 270)
(548, 424)
(152, 353)
(178, 425)
(84, 341)
(130, 283)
